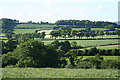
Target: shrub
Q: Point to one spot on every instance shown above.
(69, 66)
(110, 64)
(85, 65)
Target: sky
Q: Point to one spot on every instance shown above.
(53, 10)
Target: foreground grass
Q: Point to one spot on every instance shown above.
(58, 73)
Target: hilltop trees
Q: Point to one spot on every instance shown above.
(83, 23)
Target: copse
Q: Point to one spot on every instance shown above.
(33, 53)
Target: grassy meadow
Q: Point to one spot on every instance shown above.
(105, 57)
(34, 26)
(107, 48)
(22, 31)
(58, 73)
(88, 43)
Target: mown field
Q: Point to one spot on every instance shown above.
(58, 73)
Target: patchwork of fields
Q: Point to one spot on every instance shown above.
(65, 73)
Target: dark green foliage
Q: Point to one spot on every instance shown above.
(69, 66)
(72, 55)
(9, 46)
(35, 54)
(8, 59)
(93, 51)
(85, 65)
(65, 46)
(110, 27)
(110, 64)
(8, 24)
(42, 35)
(83, 23)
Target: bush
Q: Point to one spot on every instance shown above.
(85, 65)
(11, 66)
(110, 64)
(69, 66)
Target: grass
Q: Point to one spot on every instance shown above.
(91, 29)
(87, 43)
(34, 26)
(105, 57)
(24, 31)
(107, 48)
(58, 73)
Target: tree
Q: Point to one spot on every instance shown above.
(87, 34)
(93, 35)
(80, 34)
(74, 44)
(74, 33)
(10, 45)
(110, 27)
(8, 24)
(64, 33)
(43, 35)
(88, 29)
(8, 59)
(72, 55)
(34, 53)
(101, 33)
(65, 46)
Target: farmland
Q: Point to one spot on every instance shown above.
(105, 57)
(34, 26)
(60, 59)
(88, 43)
(58, 73)
(22, 31)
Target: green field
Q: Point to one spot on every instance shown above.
(105, 57)
(91, 29)
(34, 26)
(58, 73)
(87, 43)
(107, 48)
(22, 31)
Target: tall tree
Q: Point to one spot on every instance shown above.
(43, 35)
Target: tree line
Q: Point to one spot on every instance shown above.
(84, 23)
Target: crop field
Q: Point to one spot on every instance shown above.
(88, 43)
(58, 73)
(34, 26)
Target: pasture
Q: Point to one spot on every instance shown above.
(105, 57)
(107, 48)
(58, 73)
(88, 43)
(91, 29)
(34, 26)
(22, 31)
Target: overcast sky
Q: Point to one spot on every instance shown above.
(53, 10)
